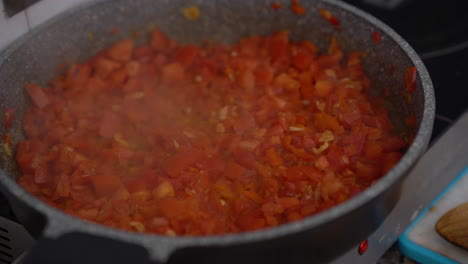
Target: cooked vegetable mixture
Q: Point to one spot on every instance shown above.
(178, 139)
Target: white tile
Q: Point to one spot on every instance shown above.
(45, 9)
(11, 27)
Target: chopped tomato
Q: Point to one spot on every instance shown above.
(186, 55)
(193, 140)
(159, 41)
(122, 50)
(172, 74)
(106, 184)
(38, 96)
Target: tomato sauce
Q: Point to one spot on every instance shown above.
(178, 139)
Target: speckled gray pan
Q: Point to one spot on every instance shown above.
(66, 38)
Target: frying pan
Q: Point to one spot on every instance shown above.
(318, 238)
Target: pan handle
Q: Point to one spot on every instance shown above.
(84, 248)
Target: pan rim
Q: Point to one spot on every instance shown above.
(416, 149)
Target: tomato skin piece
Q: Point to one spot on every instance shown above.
(122, 50)
(38, 96)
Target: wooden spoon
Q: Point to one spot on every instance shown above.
(453, 226)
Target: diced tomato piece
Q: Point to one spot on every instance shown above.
(247, 81)
(294, 173)
(122, 50)
(159, 41)
(106, 184)
(273, 157)
(186, 55)
(63, 185)
(302, 60)
(249, 46)
(373, 150)
(110, 124)
(324, 121)
(172, 74)
(324, 87)
(234, 171)
(288, 202)
(279, 47)
(78, 74)
(367, 171)
(173, 208)
(104, 67)
(393, 144)
(244, 123)
(286, 82)
(38, 96)
(331, 186)
(263, 76)
(143, 53)
(41, 174)
(182, 160)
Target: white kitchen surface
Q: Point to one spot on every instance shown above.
(13, 27)
(424, 233)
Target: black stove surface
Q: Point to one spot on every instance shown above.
(438, 31)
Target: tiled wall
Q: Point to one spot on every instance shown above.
(17, 25)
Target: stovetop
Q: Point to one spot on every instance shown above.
(437, 30)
